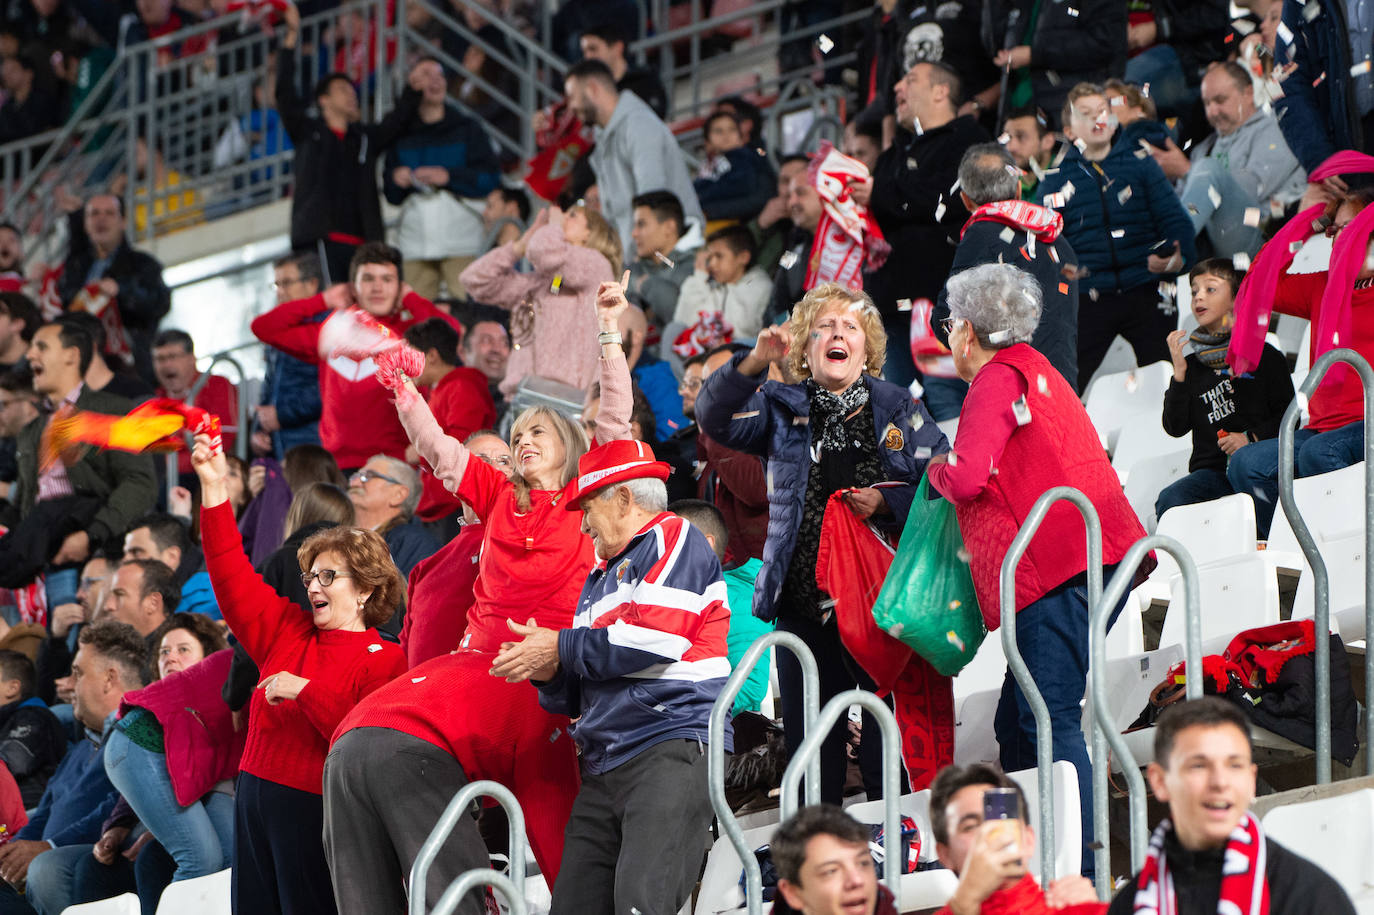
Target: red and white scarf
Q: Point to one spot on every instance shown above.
(1244, 889)
(847, 237)
(1044, 223)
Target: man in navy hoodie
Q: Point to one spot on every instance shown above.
(109, 662)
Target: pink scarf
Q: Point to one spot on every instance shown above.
(1332, 324)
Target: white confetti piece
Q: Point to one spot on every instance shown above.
(1123, 195)
(1073, 12)
(1069, 191)
(1093, 294)
(1054, 201)
(1336, 338)
(999, 336)
(1004, 139)
(1310, 11)
(904, 304)
(953, 637)
(1021, 410)
(1251, 217)
(1054, 78)
(824, 43)
(896, 630)
(1054, 254)
(1042, 384)
(1167, 290)
(964, 555)
(916, 126)
(953, 459)
(940, 211)
(917, 421)
(1360, 68)
(922, 453)
(1243, 27)
(664, 260)
(418, 679)
(788, 260)
(1145, 90)
(1078, 142)
(1132, 383)
(1285, 33)
(1117, 101)
(1007, 235)
(1241, 261)
(1118, 233)
(374, 648)
(1214, 195)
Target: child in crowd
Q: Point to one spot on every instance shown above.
(1224, 412)
(730, 288)
(1036, 148)
(735, 181)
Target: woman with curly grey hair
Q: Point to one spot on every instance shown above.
(839, 428)
(1023, 431)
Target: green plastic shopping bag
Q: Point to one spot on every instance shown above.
(927, 600)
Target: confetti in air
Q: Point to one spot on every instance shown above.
(665, 261)
(1123, 195)
(1004, 139)
(904, 304)
(1042, 384)
(1214, 195)
(1252, 217)
(1021, 410)
(825, 44)
(1241, 261)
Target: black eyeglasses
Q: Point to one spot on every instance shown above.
(326, 577)
(362, 476)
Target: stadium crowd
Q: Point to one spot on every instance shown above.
(603, 447)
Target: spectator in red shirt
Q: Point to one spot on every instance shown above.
(357, 419)
(174, 364)
(317, 668)
(448, 721)
(459, 400)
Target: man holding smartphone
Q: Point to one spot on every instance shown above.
(977, 815)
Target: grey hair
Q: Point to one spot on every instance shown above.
(1000, 302)
(648, 493)
(407, 477)
(987, 173)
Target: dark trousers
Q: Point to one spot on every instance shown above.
(384, 791)
(1134, 314)
(1052, 636)
(637, 835)
(279, 866)
(147, 875)
(838, 672)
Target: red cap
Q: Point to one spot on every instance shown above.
(612, 463)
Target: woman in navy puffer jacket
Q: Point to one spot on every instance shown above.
(841, 428)
(1128, 228)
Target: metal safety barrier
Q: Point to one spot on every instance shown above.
(1104, 730)
(471, 880)
(512, 886)
(809, 752)
(1321, 584)
(811, 700)
(1044, 748)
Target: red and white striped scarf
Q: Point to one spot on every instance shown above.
(1244, 889)
(847, 237)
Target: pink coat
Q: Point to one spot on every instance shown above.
(563, 345)
(1004, 465)
(197, 729)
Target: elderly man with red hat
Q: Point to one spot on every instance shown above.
(638, 671)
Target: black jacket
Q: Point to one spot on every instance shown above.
(336, 180)
(914, 177)
(143, 299)
(1296, 885)
(1083, 41)
(32, 743)
(790, 279)
(1057, 336)
(1206, 402)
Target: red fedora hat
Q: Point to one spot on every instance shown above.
(611, 463)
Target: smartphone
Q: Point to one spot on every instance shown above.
(1001, 804)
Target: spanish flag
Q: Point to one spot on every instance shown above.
(156, 425)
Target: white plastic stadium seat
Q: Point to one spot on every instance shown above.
(1336, 833)
(1141, 439)
(1113, 400)
(1068, 818)
(1210, 531)
(1145, 480)
(126, 904)
(207, 895)
(1236, 594)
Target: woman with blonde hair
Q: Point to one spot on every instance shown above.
(840, 428)
(448, 721)
(553, 321)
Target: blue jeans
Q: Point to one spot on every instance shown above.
(147, 876)
(1052, 635)
(1160, 67)
(1254, 469)
(51, 887)
(198, 837)
(1198, 486)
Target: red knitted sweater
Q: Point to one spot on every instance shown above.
(287, 742)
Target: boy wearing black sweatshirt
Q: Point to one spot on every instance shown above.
(1224, 412)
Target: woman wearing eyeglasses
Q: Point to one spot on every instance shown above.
(1022, 431)
(316, 668)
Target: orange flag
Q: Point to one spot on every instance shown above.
(151, 426)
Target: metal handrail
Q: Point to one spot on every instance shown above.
(1321, 583)
(715, 760)
(809, 752)
(457, 808)
(1105, 730)
(1044, 747)
(471, 880)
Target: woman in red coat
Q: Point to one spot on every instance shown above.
(316, 667)
(1022, 431)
